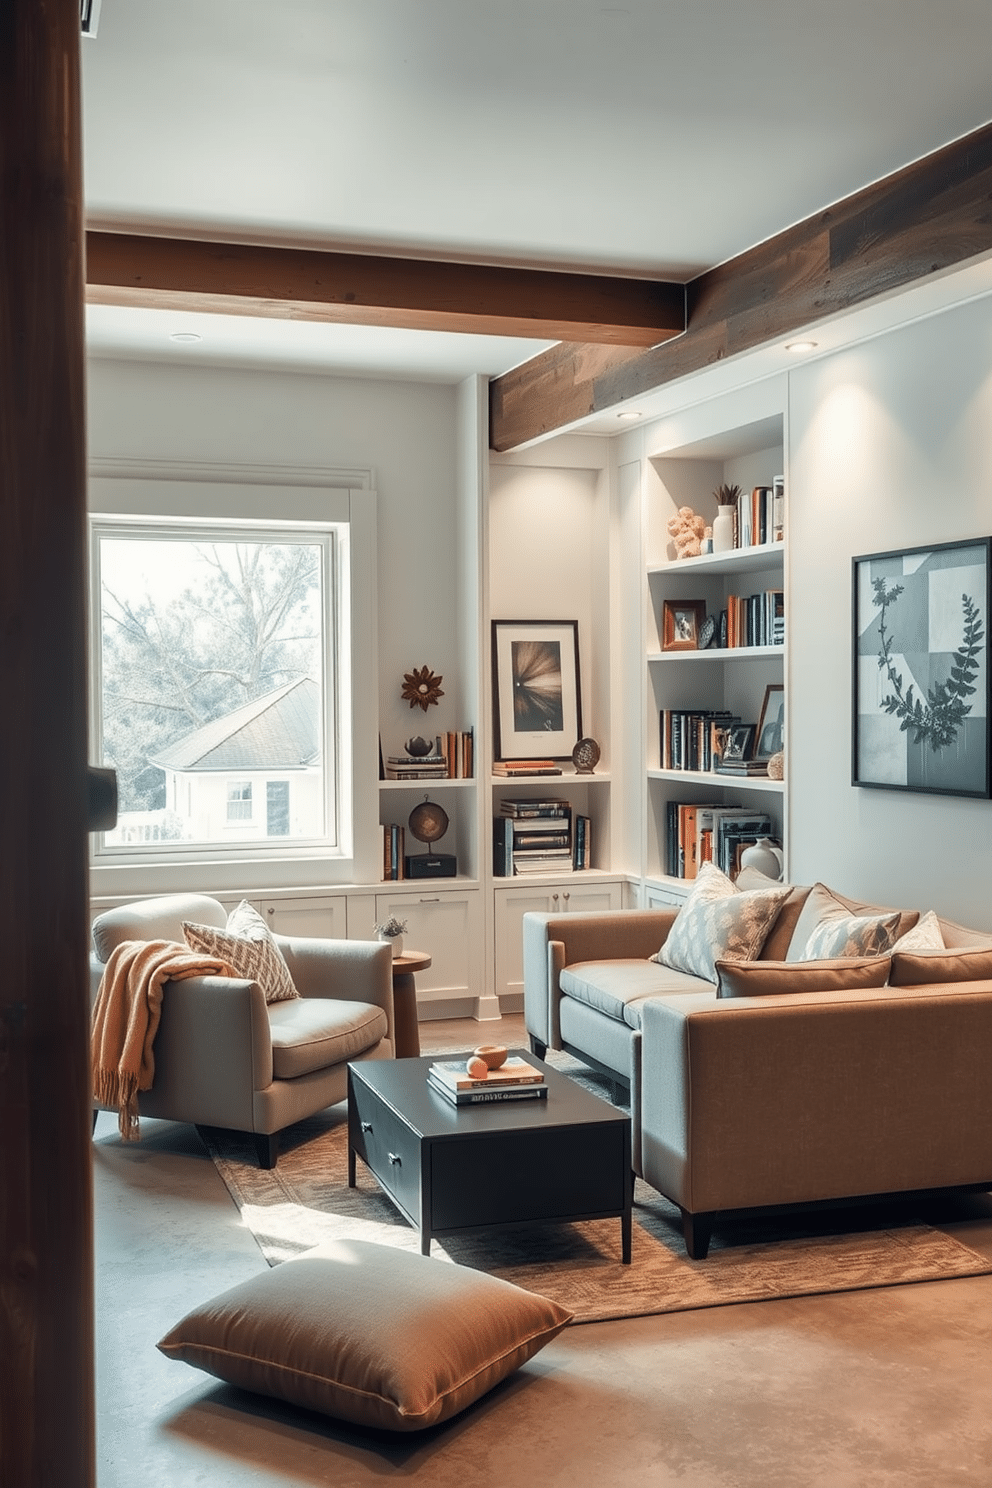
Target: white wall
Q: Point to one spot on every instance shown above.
(403, 434)
(889, 447)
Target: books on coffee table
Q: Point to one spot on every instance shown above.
(515, 1079)
(482, 1095)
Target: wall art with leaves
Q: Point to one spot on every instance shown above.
(921, 675)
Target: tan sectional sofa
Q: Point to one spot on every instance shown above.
(743, 1101)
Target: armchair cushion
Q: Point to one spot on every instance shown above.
(246, 944)
(370, 1334)
(312, 1033)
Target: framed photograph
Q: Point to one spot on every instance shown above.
(739, 742)
(537, 711)
(920, 710)
(771, 724)
(681, 623)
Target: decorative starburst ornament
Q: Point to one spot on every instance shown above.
(421, 688)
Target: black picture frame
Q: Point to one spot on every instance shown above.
(920, 675)
(537, 701)
(770, 735)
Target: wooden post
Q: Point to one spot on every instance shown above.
(46, 1248)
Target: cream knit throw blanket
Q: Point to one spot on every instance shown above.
(126, 1017)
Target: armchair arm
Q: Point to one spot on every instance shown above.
(348, 970)
(552, 942)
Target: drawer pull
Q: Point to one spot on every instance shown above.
(366, 1126)
(395, 1159)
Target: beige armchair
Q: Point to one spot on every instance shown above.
(224, 1057)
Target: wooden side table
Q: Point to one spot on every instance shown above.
(406, 1026)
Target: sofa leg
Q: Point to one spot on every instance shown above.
(267, 1147)
(697, 1230)
(536, 1047)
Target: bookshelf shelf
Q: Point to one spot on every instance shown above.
(718, 653)
(719, 782)
(737, 561)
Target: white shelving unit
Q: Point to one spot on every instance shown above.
(748, 454)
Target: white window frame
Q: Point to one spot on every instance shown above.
(350, 635)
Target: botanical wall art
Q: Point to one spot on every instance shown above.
(921, 676)
(536, 705)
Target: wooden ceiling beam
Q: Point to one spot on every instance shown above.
(929, 217)
(364, 289)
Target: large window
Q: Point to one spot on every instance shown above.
(214, 684)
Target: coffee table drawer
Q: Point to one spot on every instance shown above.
(388, 1146)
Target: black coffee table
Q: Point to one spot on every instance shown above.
(450, 1168)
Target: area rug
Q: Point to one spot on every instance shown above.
(305, 1200)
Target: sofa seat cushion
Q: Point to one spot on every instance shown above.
(619, 988)
(313, 1033)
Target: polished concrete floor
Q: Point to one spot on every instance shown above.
(887, 1387)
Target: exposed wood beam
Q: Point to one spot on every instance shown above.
(363, 289)
(931, 216)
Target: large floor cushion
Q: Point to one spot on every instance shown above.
(381, 1337)
(311, 1033)
(618, 988)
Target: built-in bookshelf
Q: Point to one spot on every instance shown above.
(715, 675)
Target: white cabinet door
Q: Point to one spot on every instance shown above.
(324, 917)
(559, 898)
(447, 925)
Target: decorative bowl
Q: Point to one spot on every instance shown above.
(492, 1055)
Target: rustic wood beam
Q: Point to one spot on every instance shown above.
(364, 289)
(928, 217)
(46, 1244)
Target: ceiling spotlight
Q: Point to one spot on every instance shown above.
(628, 416)
(799, 347)
(186, 338)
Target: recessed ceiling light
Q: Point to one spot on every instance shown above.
(799, 347)
(628, 415)
(185, 337)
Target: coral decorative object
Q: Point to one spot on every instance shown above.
(686, 530)
(776, 766)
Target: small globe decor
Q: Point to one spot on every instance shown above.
(428, 822)
(585, 756)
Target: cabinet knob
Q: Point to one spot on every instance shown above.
(566, 896)
(554, 898)
(395, 1159)
(270, 911)
(366, 1126)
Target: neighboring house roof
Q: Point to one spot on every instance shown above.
(280, 731)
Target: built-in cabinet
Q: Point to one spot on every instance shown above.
(578, 894)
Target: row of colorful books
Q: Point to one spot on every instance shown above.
(514, 1080)
(754, 619)
(697, 833)
(759, 517)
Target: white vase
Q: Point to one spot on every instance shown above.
(723, 529)
(764, 856)
(395, 942)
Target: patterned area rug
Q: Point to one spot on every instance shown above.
(305, 1200)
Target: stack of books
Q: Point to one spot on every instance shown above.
(511, 768)
(514, 1080)
(421, 767)
(533, 837)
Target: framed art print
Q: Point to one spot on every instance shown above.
(537, 710)
(920, 670)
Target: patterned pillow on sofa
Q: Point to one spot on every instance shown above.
(719, 922)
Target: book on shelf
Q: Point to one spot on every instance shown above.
(759, 515)
(778, 508)
(582, 846)
(487, 1097)
(513, 1072)
(748, 768)
(453, 758)
(521, 810)
(556, 863)
(691, 739)
(393, 836)
(417, 772)
(532, 844)
(514, 768)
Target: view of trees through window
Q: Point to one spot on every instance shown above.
(211, 675)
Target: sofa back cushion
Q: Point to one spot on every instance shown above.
(918, 968)
(766, 978)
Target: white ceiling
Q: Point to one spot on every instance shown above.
(648, 137)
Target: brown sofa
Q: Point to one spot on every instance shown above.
(748, 1101)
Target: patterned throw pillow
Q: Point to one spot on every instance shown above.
(925, 935)
(248, 946)
(852, 935)
(718, 922)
